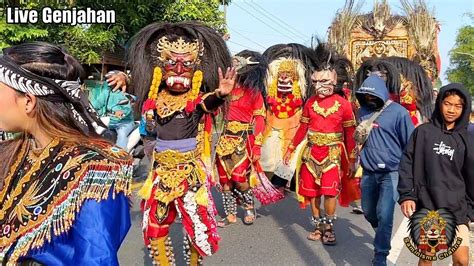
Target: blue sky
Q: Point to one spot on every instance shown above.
(251, 27)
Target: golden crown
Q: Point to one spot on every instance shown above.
(179, 46)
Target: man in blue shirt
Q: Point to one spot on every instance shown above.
(380, 157)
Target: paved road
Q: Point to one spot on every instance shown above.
(278, 237)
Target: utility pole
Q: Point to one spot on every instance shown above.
(225, 11)
(227, 35)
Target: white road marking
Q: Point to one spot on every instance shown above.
(397, 241)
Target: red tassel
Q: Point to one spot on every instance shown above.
(265, 192)
(192, 104)
(149, 104)
(350, 190)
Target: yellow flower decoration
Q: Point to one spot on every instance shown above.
(296, 90)
(197, 81)
(155, 83)
(272, 91)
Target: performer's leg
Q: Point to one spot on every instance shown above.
(161, 251)
(191, 255)
(244, 193)
(199, 223)
(329, 237)
(240, 176)
(230, 206)
(330, 188)
(160, 247)
(316, 219)
(315, 206)
(312, 193)
(330, 203)
(242, 186)
(228, 200)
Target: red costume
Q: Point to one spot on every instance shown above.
(330, 125)
(245, 123)
(238, 148)
(181, 87)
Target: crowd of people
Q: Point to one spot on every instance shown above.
(293, 113)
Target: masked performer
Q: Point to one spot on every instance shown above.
(64, 191)
(289, 75)
(238, 149)
(407, 81)
(328, 156)
(177, 69)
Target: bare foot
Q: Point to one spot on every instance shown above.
(229, 220)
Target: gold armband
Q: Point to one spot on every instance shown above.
(304, 119)
(259, 139)
(260, 112)
(349, 123)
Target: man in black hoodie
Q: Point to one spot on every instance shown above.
(437, 169)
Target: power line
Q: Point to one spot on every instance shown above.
(248, 39)
(245, 46)
(275, 19)
(263, 21)
(282, 21)
(306, 42)
(260, 33)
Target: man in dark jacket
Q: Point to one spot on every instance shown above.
(380, 157)
(437, 169)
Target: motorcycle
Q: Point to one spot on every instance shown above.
(134, 144)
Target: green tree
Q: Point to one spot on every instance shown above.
(181, 10)
(87, 43)
(462, 57)
(14, 33)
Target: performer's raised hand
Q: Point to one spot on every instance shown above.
(118, 81)
(227, 82)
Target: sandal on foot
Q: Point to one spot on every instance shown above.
(315, 235)
(329, 237)
(249, 216)
(225, 222)
(357, 210)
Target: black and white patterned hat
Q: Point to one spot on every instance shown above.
(66, 91)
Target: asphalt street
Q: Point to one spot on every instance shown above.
(278, 237)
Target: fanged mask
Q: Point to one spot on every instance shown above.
(324, 82)
(179, 59)
(286, 76)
